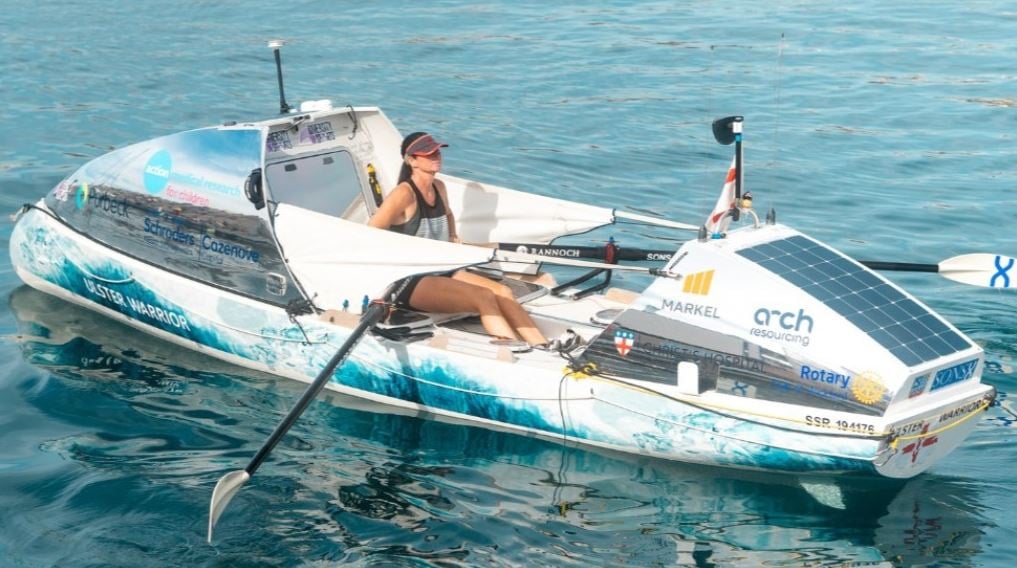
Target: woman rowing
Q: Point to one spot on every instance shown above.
(418, 206)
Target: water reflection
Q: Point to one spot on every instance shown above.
(359, 482)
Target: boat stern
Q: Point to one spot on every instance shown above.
(921, 440)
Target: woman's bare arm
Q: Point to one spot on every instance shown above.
(393, 209)
(452, 233)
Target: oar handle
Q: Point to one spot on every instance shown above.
(371, 316)
(899, 266)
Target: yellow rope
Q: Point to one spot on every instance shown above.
(586, 371)
(731, 409)
(983, 406)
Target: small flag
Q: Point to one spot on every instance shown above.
(717, 222)
(624, 341)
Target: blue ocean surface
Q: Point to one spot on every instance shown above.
(885, 129)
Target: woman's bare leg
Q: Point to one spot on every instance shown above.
(521, 321)
(517, 317)
(447, 295)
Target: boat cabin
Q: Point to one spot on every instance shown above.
(277, 210)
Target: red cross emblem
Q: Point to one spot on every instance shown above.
(914, 447)
(624, 341)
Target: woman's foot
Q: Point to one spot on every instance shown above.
(565, 343)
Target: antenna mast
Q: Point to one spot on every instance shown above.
(275, 45)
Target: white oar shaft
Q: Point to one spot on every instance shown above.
(654, 221)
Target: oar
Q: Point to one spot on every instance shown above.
(527, 258)
(230, 483)
(976, 269)
(654, 221)
(570, 251)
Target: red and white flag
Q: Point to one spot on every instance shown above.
(717, 222)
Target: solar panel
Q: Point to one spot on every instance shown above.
(909, 331)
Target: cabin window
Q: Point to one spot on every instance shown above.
(326, 183)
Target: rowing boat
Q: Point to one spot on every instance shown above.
(757, 347)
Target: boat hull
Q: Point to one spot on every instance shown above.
(535, 397)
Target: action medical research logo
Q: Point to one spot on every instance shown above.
(157, 171)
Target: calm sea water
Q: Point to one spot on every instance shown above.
(883, 128)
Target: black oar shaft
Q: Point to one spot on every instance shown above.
(899, 266)
(372, 316)
(651, 255)
(569, 251)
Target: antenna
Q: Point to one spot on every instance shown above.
(275, 45)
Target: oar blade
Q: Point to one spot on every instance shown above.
(224, 491)
(230, 483)
(981, 269)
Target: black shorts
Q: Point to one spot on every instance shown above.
(405, 291)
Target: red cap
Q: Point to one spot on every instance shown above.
(424, 145)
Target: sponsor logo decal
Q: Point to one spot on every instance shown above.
(229, 249)
(701, 310)
(103, 202)
(204, 184)
(187, 196)
(698, 283)
(955, 374)
(61, 190)
(966, 408)
(175, 234)
(909, 428)
(140, 308)
(779, 325)
(559, 252)
(918, 386)
(317, 132)
(914, 447)
(824, 376)
(868, 387)
(624, 341)
(278, 140)
(674, 351)
(735, 387)
(210, 247)
(157, 172)
(1001, 272)
(81, 195)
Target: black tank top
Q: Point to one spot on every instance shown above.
(429, 221)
